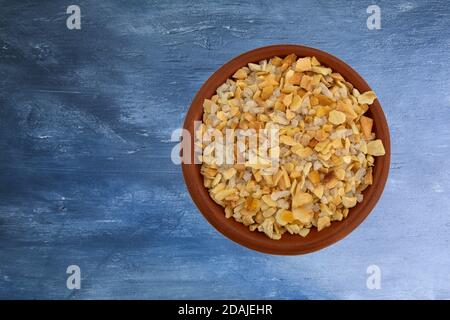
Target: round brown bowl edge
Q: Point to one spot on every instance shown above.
(289, 244)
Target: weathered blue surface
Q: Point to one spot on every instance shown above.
(85, 172)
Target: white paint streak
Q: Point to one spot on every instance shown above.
(57, 91)
(406, 6)
(184, 30)
(437, 188)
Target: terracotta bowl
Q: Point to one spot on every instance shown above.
(289, 244)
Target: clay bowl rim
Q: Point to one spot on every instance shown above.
(289, 244)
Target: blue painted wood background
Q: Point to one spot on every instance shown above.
(85, 173)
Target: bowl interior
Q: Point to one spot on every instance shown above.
(289, 244)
